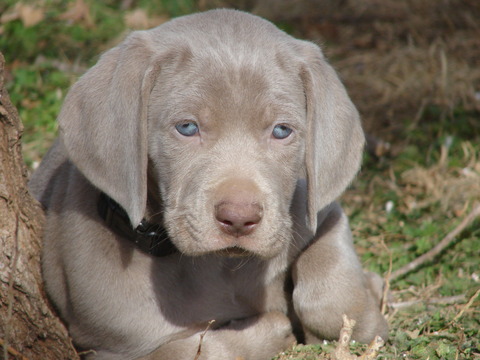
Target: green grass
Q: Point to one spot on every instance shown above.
(430, 192)
(42, 58)
(427, 328)
(37, 91)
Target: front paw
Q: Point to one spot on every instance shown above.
(267, 334)
(376, 285)
(370, 321)
(281, 329)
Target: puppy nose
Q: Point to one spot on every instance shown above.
(238, 219)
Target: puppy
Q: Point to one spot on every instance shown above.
(194, 179)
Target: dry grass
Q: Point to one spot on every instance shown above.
(427, 54)
(396, 57)
(454, 188)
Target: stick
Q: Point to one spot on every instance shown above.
(467, 305)
(199, 351)
(372, 351)
(444, 300)
(342, 351)
(447, 240)
(386, 289)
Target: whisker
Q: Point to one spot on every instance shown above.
(243, 262)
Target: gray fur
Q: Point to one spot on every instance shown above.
(236, 76)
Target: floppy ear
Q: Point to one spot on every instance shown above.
(335, 138)
(103, 123)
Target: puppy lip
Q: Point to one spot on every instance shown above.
(234, 251)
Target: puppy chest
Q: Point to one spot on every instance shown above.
(222, 290)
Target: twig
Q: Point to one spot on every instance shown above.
(446, 241)
(199, 351)
(376, 146)
(342, 351)
(83, 354)
(372, 352)
(467, 305)
(442, 300)
(386, 289)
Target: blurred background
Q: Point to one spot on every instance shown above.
(412, 67)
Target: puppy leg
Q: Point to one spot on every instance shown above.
(258, 338)
(329, 282)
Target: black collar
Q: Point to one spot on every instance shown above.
(150, 238)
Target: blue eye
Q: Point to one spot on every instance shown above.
(187, 128)
(281, 132)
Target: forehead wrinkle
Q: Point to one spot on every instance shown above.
(228, 82)
(246, 93)
(236, 85)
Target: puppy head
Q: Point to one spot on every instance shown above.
(228, 112)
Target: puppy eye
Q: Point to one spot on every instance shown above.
(187, 128)
(281, 132)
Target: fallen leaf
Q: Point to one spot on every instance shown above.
(10, 15)
(78, 12)
(28, 14)
(413, 334)
(138, 19)
(30, 104)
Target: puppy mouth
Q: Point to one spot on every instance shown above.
(234, 251)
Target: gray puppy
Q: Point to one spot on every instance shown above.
(195, 179)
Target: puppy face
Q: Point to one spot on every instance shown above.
(224, 112)
(227, 150)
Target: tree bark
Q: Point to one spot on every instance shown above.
(29, 328)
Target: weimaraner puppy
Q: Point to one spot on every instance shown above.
(195, 179)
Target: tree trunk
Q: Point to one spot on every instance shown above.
(28, 327)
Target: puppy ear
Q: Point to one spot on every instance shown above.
(103, 123)
(335, 138)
